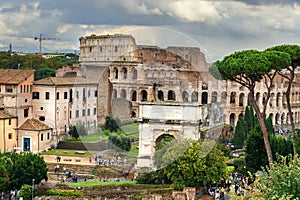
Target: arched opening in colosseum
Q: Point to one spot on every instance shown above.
(232, 119)
(133, 114)
(124, 73)
(277, 118)
(241, 115)
(114, 94)
(71, 96)
(204, 98)
(277, 99)
(116, 73)
(134, 74)
(214, 97)
(195, 97)
(160, 95)
(241, 99)
(123, 93)
(272, 99)
(144, 95)
(257, 96)
(171, 95)
(185, 96)
(282, 118)
(264, 99)
(232, 97)
(133, 95)
(271, 116)
(284, 99)
(223, 97)
(288, 118)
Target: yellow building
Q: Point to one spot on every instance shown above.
(34, 136)
(8, 137)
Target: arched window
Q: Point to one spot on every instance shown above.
(277, 99)
(195, 97)
(185, 96)
(214, 97)
(116, 73)
(241, 99)
(133, 95)
(144, 95)
(171, 95)
(277, 118)
(160, 95)
(282, 118)
(124, 72)
(123, 93)
(257, 96)
(204, 98)
(232, 97)
(232, 119)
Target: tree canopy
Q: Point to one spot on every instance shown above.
(20, 169)
(191, 165)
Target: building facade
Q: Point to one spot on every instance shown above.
(8, 136)
(64, 101)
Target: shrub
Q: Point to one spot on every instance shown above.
(65, 193)
(26, 192)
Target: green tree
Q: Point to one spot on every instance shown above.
(240, 134)
(26, 192)
(247, 68)
(294, 52)
(26, 167)
(73, 132)
(117, 142)
(255, 150)
(5, 166)
(249, 119)
(281, 183)
(192, 165)
(112, 124)
(44, 73)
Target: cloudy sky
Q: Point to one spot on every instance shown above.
(217, 27)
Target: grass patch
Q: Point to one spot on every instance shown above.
(100, 183)
(130, 128)
(64, 152)
(90, 138)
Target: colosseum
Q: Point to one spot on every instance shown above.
(128, 73)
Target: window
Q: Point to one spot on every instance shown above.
(83, 112)
(47, 95)
(70, 114)
(10, 136)
(48, 136)
(88, 112)
(65, 95)
(83, 95)
(9, 88)
(116, 48)
(96, 93)
(9, 122)
(21, 88)
(42, 137)
(77, 113)
(89, 92)
(35, 95)
(42, 118)
(41, 108)
(26, 110)
(95, 111)
(57, 96)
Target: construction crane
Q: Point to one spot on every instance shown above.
(42, 38)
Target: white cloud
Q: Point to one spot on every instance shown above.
(64, 28)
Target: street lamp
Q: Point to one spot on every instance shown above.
(32, 188)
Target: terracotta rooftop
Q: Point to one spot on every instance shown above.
(14, 76)
(33, 125)
(6, 115)
(64, 81)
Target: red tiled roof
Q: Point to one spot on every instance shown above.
(34, 125)
(14, 76)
